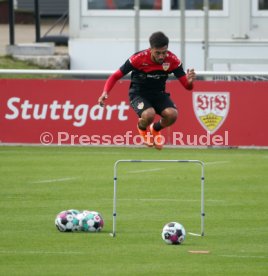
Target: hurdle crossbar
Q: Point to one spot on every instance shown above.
(161, 161)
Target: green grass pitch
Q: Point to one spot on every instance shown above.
(39, 182)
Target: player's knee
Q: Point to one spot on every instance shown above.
(174, 115)
(171, 114)
(148, 115)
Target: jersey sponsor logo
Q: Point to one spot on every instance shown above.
(211, 109)
(156, 76)
(166, 66)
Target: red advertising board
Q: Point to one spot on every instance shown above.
(66, 112)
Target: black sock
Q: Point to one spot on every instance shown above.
(157, 126)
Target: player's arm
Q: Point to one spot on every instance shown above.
(109, 84)
(111, 81)
(186, 79)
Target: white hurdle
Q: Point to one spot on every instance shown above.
(162, 161)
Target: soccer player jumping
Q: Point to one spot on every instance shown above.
(150, 69)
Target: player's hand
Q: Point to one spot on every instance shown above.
(102, 98)
(191, 75)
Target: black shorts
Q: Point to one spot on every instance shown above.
(159, 102)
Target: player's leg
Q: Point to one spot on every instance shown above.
(146, 118)
(167, 110)
(146, 114)
(169, 117)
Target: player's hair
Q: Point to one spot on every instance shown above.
(158, 40)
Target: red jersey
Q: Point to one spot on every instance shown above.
(149, 77)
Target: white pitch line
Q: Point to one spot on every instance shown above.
(194, 234)
(216, 162)
(163, 200)
(158, 199)
(54, 180)
(149, 170)
(39, 252)
(167, 199)
(244, 256)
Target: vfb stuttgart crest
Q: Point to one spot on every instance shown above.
(211, 109)
(166, 66)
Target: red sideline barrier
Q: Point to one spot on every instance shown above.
(66, 112)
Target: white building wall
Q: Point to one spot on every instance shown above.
(105, 42)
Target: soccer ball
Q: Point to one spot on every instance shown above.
(66, 221)
(90, 221)
(81, 216)
(74, 211)
(173, 233)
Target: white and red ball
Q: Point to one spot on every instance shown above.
(66, 221)
(173, 233)
(91, 221)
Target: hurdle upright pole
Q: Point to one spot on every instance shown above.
(114, 198)
(161, 161)
(202, 198)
